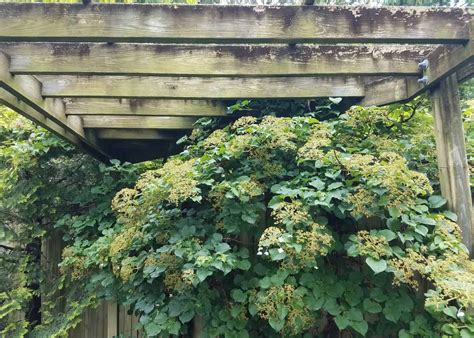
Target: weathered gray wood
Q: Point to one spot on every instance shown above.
(212, 60)
(27, 100)
(22, 108)
(451, 153)
(386, 91)
(442, 62)
(134, 134)
(200, 88)
(112, 319)
(446, 60)
(465, 72)
(174, 23)
(78, 106)
(138, 122)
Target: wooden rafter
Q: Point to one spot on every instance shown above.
(199, 87)
(226, 24)
(23, 94)
(143, 72)
(136, 107)
(212, 60)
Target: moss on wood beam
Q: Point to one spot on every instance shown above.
(227, 24)
(213, 60)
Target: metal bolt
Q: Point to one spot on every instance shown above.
(423, 80)
(423, 65)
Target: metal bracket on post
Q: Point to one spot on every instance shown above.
(423, 66)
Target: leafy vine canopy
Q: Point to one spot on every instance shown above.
(288, 226)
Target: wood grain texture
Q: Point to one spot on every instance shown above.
(134, 134)
(212, 60)
(446, 60)
(442, 62)
(389, 90)
(200, 88)
(207, 23)
(86, 106)
(138, 122)
(451, 154)
(25, 98)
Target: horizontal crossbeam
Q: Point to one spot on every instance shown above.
(138, 122)
(212, 60)
(230, 24)
(200, 88)
(86, 106)
(135, 134)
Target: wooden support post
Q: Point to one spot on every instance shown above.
(197, 326)
(451, 153)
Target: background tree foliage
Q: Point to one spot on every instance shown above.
(297, 220)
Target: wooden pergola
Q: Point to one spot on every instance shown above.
(126, 80)
(122, 80)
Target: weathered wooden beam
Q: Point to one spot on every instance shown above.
(22, 108)
(388, 90)
(212, 60)
(22, 93)
(85, 106)
(135, 134)
(215, 24)
(465, 72)
(451, 154)
(441, 63)
(138, 122)
(446, 60)
(200, 88)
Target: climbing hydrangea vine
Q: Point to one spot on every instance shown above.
(293, 227)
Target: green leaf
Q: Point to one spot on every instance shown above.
(341, 322)
(252, 309)
(332, 307)
(152, 329)
(174, 328)
(392, 313)
(277, 324)
(436, 201)
(388, 234)
(265, 282)
(361, 327)
(394, 212)
(277, 254)
(223, 247)
(238, 295)
(282, 311)
(335, 185)
(202, 274)
(354, 315)
(372, 307)
(404, 334)
(317, 183)
(451, 311)
(175, 308)
(243, 265)
(186, 316)
(353, 295)
(376, 265)
(335, 290)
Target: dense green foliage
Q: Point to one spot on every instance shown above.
(316, 224)
(45, 183)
